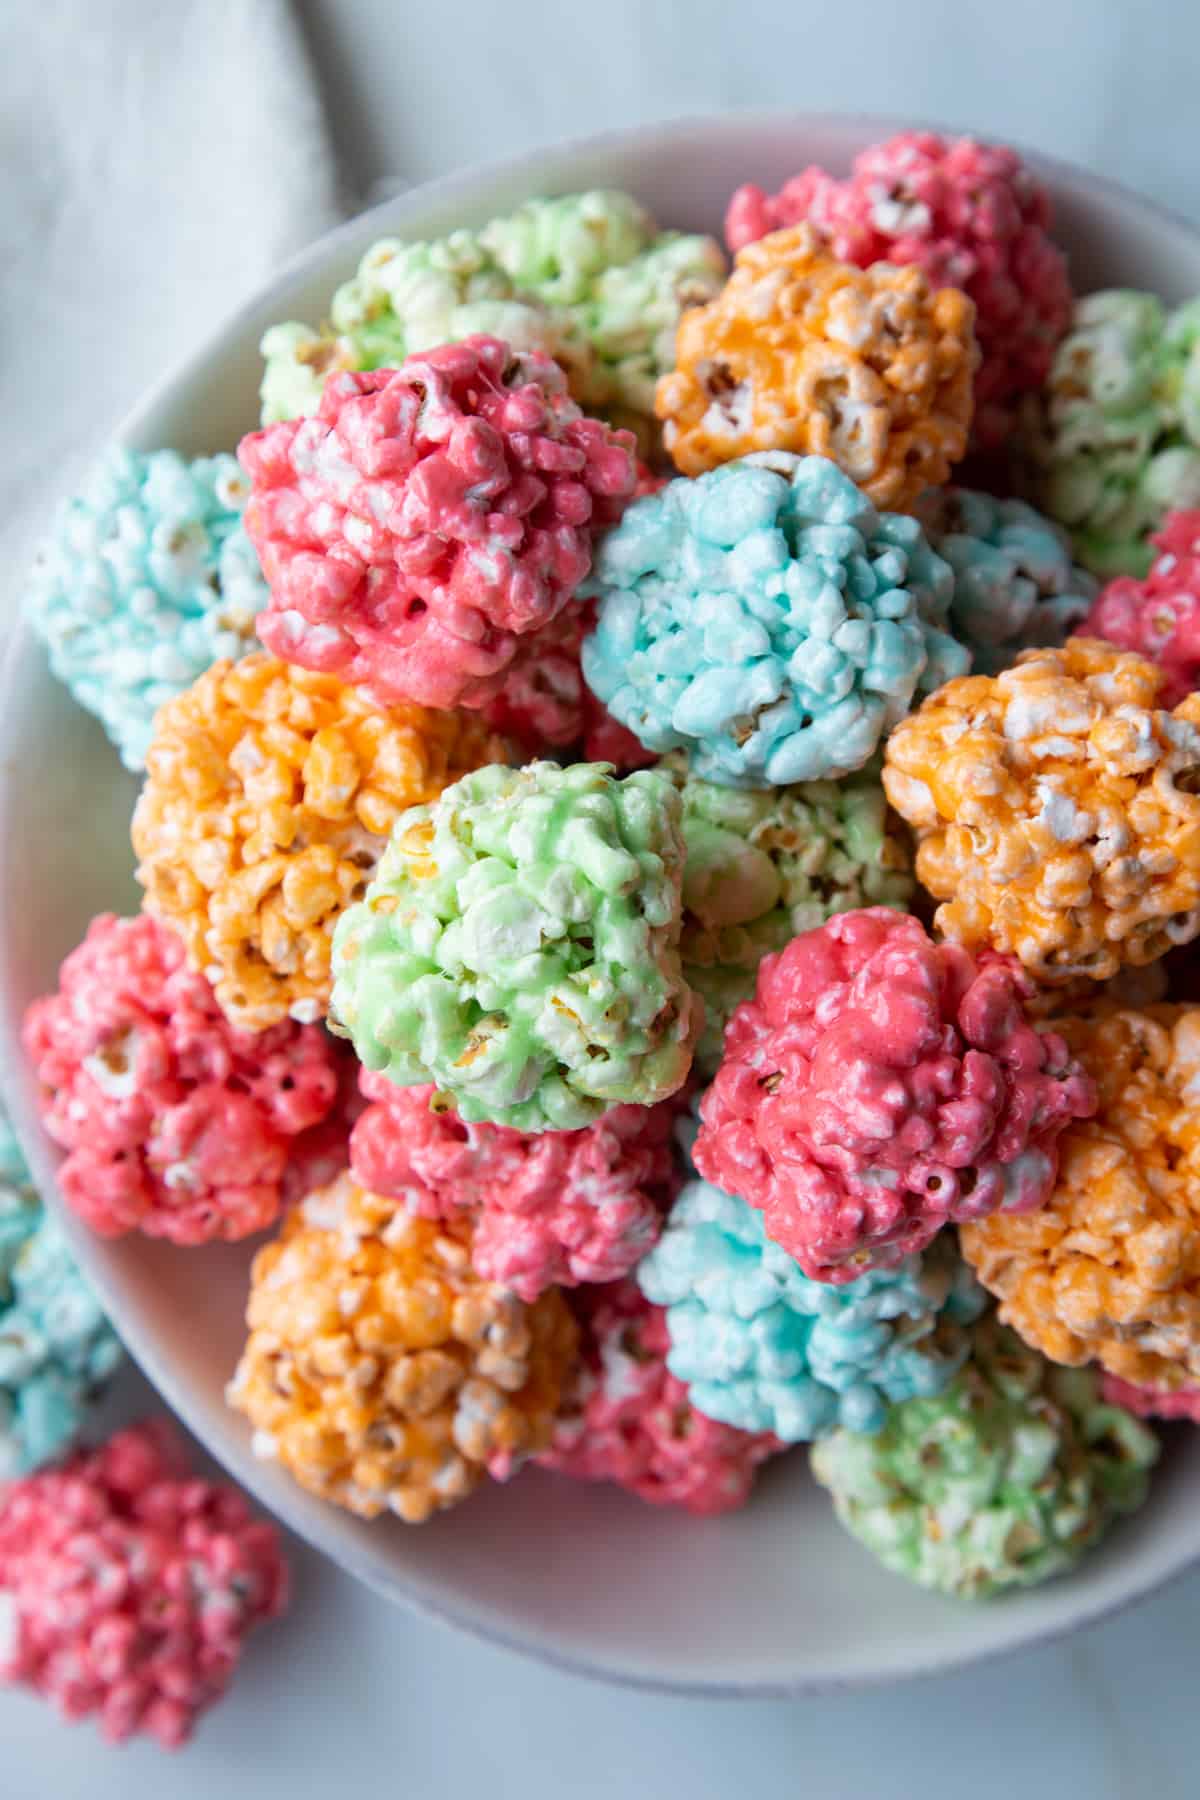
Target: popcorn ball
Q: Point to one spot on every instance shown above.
(970, 216)
(519, 947)
(1159, 617)
(559, 1207)
(764, 865)
(1015, 586)
(760, 1346)
(545, 704)
(380, 1371)
(1055, 810)
(1002, 1481)
(768, 620)
(130, 1586)
(1113, 442)
(1152, 1403)
(872, 368)
(57, 1350)
(269, 796)
(1110, 1268)
(880, 1085)
(428, 517)
(146, 580)
(175, 1122)
(630, 1421)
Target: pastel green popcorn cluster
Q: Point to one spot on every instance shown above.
(588, 278)
(762, 1347)
(1015, 584)
(1002, 1481)
(1114, 439)
(56, 1347)
(147, 579)
(519, 947)
(764, 865)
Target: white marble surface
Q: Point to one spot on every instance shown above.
(348, 1688)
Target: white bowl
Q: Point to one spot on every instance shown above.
(776, 1599)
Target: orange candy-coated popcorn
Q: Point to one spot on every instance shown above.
(269, 797)
(1109, 1269)
(380, 1371)
(872, 368)
(1056, 810)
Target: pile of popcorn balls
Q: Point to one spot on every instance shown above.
(668, 903)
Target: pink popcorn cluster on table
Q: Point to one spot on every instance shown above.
(972, 216)
(545, 703)
(426, 518)
(174, 1122)
(131, 1585)
(880, 1085)
(551, 1207)
(1160, 616)
(1152, 1403)
(633, 1424)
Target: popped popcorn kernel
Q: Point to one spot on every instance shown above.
(269, 795)
(872, 368)
(1055, 810)
(380, 1371)
(879, 1086)
(1159, 616)
(1109, 1269)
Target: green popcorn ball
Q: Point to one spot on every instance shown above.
(763, 865)
(1114, 440)
(519, 947)
(1001, 1481)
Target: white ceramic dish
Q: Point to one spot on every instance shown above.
(775, 1599)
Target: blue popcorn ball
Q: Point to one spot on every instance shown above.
(148, 579)
(1015, 585)
(765, 618)
(57, 1350)
(762, 1347)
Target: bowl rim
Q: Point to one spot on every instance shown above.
(24, 648)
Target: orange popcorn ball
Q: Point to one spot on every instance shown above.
(380, 1371)
(1109, 1268)
(1056, 810)
(872, 368)
(269, 797)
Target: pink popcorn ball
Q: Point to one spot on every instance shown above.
(174, 1122)
(130, 1585)
(553, 1207)
(1160, 616)
(972, 216)
(880, 1085)
(427, 518)
(630, 1420)
(545, 704)
(1151, 1403)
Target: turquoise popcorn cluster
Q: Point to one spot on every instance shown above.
(519, 947)
(765, 618)
(56, 1347)
(147, 579)
(1016, 586)
(762, 1347)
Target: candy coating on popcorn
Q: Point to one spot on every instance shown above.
(768, 620)
(1159, 616)
(545, 704)
(760, 1346)
(870, 367)
(380, 1371)
(426, 518)
(519, 947)
(130, 1585)
(555, 1207)
(174, 1121)
(1150, 1402)
(879, 1086)
(1054, 810)
(1001, 1481)
(269, 796)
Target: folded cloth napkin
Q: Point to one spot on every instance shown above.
(157, 163)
